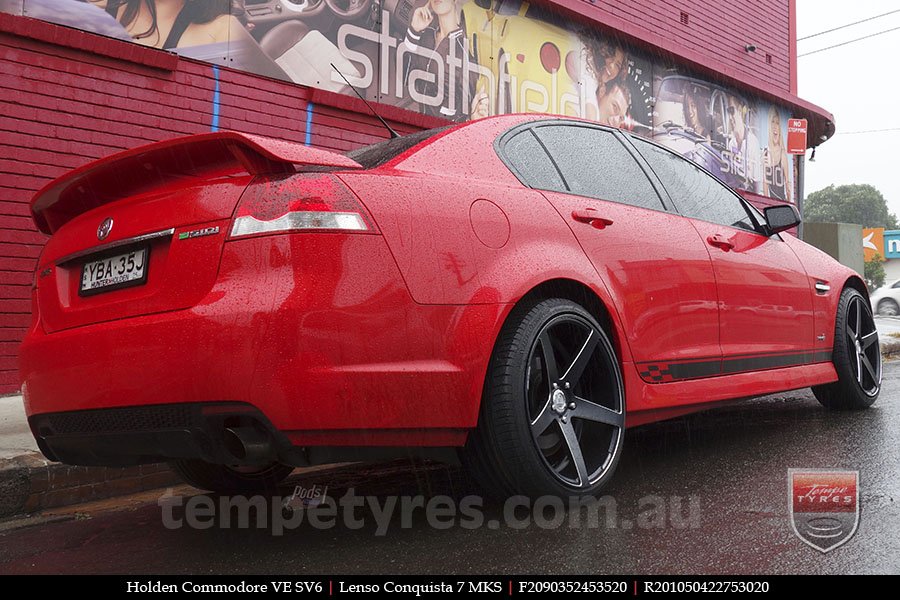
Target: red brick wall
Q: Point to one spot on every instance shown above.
(67, 98)
(719, 28)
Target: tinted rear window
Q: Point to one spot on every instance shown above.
(378, 154)
(531, 164)
(596, 164)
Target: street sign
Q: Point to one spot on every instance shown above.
(873, 243)
(796, 138)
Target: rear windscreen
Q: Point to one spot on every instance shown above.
(378, 154)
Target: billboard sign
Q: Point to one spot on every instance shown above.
(891, 244)
(460, 60)
(873, 243)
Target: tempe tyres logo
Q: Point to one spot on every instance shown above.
(824, 506)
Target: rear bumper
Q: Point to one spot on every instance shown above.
(331, 350)
(143, 434)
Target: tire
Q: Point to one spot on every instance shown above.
(888, 308)
(856, 356)
(223, 479)
(531, 431)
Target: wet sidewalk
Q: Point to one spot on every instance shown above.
(30, 483)
(15, 437)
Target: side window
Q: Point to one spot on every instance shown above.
(695, 193)
(531, 164)
(896, 285)
(594, 163)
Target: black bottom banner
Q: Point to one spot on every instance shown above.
(427, 586)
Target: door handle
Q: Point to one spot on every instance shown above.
(719, 242)
(591, 217)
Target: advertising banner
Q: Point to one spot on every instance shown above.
(741, 141)
(459, 60)
(873, 242)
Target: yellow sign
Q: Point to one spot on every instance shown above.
(873, 243)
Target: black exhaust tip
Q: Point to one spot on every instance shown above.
(249, 444)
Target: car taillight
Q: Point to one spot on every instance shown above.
(302, 202)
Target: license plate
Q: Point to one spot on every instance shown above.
(114, 272)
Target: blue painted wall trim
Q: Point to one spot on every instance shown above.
(309, 115)
(214, 124)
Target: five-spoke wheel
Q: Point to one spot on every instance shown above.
(862, 344)
(553, 412)
(856, 356)
(575, 422)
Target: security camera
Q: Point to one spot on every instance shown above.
(750, 47)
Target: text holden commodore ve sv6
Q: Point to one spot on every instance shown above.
(518, 289)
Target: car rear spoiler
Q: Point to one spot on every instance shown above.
(199, 156)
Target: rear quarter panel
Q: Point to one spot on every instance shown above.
(465, 242)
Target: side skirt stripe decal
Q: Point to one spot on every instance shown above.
(664, 372)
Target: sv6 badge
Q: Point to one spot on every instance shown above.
(186, 235)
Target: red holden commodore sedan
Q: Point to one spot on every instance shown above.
(515, 290)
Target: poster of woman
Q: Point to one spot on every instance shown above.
(778, 180)
(171, 24)
(618, 84)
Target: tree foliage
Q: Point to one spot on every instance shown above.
(874, 272)
(858, 203)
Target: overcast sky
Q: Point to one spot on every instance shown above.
(859, 84)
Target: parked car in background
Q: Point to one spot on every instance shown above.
(886, 299)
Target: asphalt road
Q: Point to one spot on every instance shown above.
(732, 462)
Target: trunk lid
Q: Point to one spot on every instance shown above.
(166, 208)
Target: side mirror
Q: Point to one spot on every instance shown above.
(781, 217)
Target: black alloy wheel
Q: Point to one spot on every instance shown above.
(553, 412)
(861, 338)
(576, 425)
(856, 356)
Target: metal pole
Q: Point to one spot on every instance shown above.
(801, 175)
